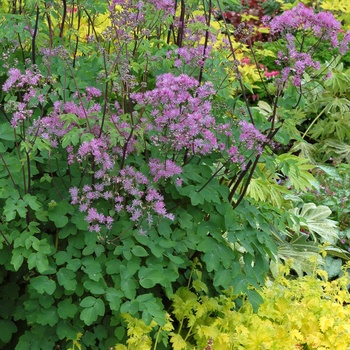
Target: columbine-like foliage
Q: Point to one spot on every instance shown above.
(125, 158)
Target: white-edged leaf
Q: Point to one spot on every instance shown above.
(315, 219)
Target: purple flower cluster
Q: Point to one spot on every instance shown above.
(98, 149)
(146, 201)
(85, 200)
(190, 56)
(173, 122)
(344, 45)
(130, 191)
(26, 86)
(251, 137)
(164, 170)
(21, 81)
(175, 117)
(301, 18)
(180, 120)
(167, 6)
(181, 114)
(52, 127)
(191, 53)
(302, 60)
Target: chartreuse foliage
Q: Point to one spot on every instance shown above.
(340, 8)
(306, 313)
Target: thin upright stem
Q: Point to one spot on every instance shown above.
(238, 75)
(34, 34)
(64, 15)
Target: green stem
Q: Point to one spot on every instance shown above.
(157, 338)
(313, 122)
(4, 237)
(10, 175)
(189, 333)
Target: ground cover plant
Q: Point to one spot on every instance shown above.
(305, 313)
(134, 155)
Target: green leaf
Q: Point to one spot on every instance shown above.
(47, 317)
(300, 251)
(129, 288)
(61, 257)
(186, 220)
(211, 260)
(137, 250)
(42, 284)
(72, 137)
(42, 246)
(175, 259)
(6, 132)
(197, 197)
(341, 149)
(330, 171)
(92, 309)
(92, 267)
(150, 276)
(79, 221)
(73, 264)
(130, 307)
(207, 243)
(333, 267)
(66, 331)
(254, 298)
(88, 302)
(338, 252)
(156, 250)
(17, 259)
(94, 287)
(112, 266)
(66, 278)
(298, 171)
(113, 296)
(191, 192)
(32, 201)
(222, 278)
(210, 194)
(315, 219)
(152, 309)
(57, 213)
(147, 283)
(191, 171)
(178, 342)
(12, 206)
(67, 230)
(66, 309)
(166, 243)
(266, 190)
(164, 228)
(40, 261)
(7, 329)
